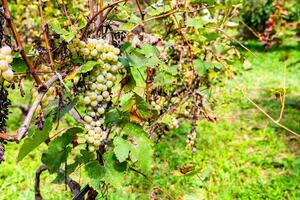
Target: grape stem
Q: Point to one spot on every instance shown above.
(16, 36)
(95, 16)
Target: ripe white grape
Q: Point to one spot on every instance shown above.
(9, 59)
(105, 94)
(2, 56)
(91, 133)
(8, 75)
(109, 84)
(3, 65)
(100, 79)
(6, 50)
(87, 100)
(88, 119)
(94, 103)
(99, 98)
(94, 52)
(101, 110)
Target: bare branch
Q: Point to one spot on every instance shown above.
(44, 31)
(98, 13)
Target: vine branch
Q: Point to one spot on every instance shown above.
(98, 13)
(73, 185)
(16, 36)
(44, 31)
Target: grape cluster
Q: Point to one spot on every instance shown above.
(2, 151)
(5, 61)
(4, 105)
(191, 138)
(158, 102)
(98, 93)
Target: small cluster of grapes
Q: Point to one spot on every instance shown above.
(100, 80)
(5, 61)
(158, 102)
(191, 138)
(4, 105)
(2, 151)
(51, 94)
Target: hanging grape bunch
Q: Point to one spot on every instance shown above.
(5, 61)
(2, 151)
(98, 93)
(4, 104)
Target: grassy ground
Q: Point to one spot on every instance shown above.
(242, 156)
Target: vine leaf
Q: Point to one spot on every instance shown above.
(65, 109)
(122, 148)
(95, 172)
(201, 67)
(66, 35)
(141, 149)
(150, 50)
(59, 149)
(112, 117)
(112, 172)
(88, 66)
(35, 138)
(84, 157)
(114, 169)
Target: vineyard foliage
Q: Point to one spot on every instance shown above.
(109, 79)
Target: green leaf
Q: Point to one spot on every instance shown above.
(184, 128)
(149, 50)
(35, 138)
(144, 110)
(126, 46)
(19, 65)
(59, 149)
(55, 25)
(210, 36)
(122, 148)
(200, 67)
(112, 117)
(136, 58)
(68, 36)
(88, 66)
(163, 78)
(114, 170)
(81, 22)
(194, 22)
(141, 151)
(84, 157)
(66, 109)
(124, 62)
(95, 172)
(130, 83)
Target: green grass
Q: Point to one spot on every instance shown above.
(242, 156)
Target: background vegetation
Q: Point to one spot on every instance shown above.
(237, 151)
